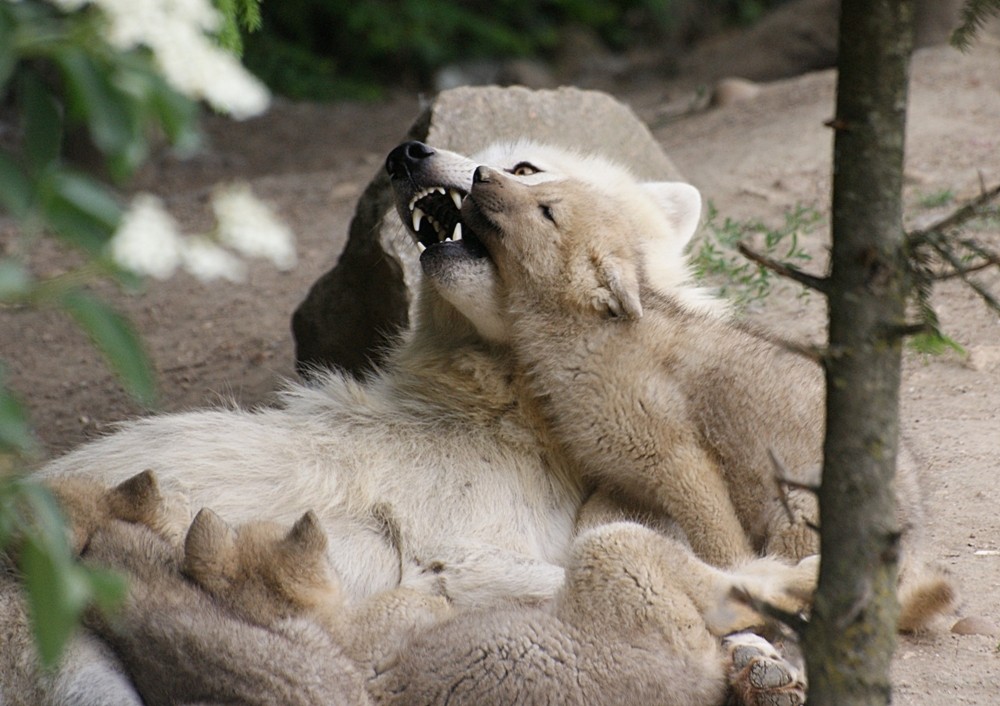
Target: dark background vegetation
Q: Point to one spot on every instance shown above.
(325, 49)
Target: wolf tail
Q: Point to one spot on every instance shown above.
(924, 593)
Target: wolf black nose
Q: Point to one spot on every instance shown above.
(404, 159)
(481, 175)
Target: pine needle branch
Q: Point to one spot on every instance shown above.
(974, 15)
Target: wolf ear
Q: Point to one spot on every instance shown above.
(618, 293)
(136, 499)
(209, 551)
(682, 205)
(306, 536)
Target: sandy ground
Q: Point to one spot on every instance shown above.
(753, 159)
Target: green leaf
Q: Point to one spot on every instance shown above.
(15, 432)
(57, 586)
(15, 188)
(57, 591)
(112, 116)
(935, 343)
(115, 338)
(15, 280)
(80, 210)
(107, 588)
(178, 115)
(42, 120)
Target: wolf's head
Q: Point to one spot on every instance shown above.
(431, 185)
(561, 242)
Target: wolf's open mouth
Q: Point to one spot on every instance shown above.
(435, 217)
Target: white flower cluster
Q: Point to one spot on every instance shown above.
(249, 227)
(175, 31)
(149, 241)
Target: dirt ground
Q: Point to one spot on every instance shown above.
(752, 159)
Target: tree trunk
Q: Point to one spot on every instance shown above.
(852, 635)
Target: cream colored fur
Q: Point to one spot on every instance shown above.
(433, 475)
(265, 574)
(180, 647)
(628, 627)
(636, 607)
(88, 673)
(438, 446)
(673, 408)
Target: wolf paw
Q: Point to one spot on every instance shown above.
(760, 676)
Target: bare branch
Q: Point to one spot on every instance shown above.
(796, 622)
(968, 270)
(956, 218)
(910, 329)
(815, 354)
(820, 284)
(981, 250)
(979, 289)
(781, 475)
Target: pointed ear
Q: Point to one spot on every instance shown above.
(209, 551)
(681, 203)
(136, 499)
(306, 535)
(619, 290)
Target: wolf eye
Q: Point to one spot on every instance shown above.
(524, 169)
(547, 212)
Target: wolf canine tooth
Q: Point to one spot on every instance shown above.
(456, 198)
(421, 247)
(457, 233)
(418, 216)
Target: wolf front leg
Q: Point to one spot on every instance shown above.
(680, 478)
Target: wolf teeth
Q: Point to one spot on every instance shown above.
(421, 247)
(457, 233)
(418, 216)
(454, 194)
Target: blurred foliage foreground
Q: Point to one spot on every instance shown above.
(125, 75)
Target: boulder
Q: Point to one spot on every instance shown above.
(354, 311)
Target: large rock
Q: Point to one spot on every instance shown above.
(353, 311)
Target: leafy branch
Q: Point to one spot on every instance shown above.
(936, 253)
(717, 253)
(82, 67)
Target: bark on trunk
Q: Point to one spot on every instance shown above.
(851, 638)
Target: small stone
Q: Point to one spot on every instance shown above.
(984, 358)
(734, 90)
(974, 625)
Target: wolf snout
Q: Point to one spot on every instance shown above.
(484, 175)
(405, 158)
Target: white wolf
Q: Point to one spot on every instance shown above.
(431, 473)
(434, 473)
